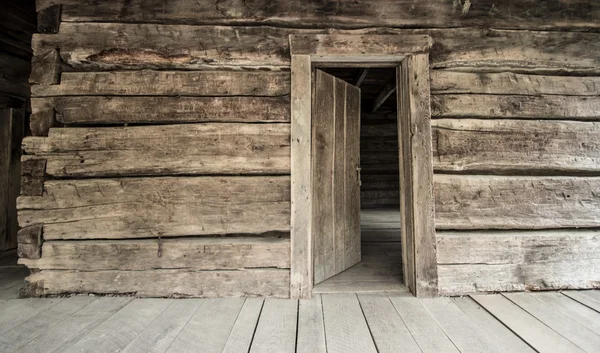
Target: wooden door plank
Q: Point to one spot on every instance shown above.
(339, 175)
(570, 329)
(76, 326)
(322, 166)
(21, 334)
(352, 189)
(389, 331)
(466, 335)
(311, 327)
(427, 333)
(276, 329)
(583, 314)
(494, 330)
(23, 310)
(588, 298)
(201, 334)
(534, 332)
(242, 333)
(114, 334)
(5, 132)
(346, 329)
(161, 332)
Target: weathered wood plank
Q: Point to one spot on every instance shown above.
(508, 83)
(161, 333)
(166, 283)
(242, 333)
(311, 328)
(344, 45)
(168, 83)
(99, 46)
(588, 298)
(509, 106)
(144, 207)
(524, 14)
(21, 311)
(575, 310)
(126, 110)
(517, 247)
(561, 324)
(276, 329)
(535, 333)
(184, 253)
(389, 331)
(212, 148)
(114, 334)
(480, 202)
(472, 278)
(346, 329)
(510, 146)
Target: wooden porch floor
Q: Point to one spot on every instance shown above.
(519, 322)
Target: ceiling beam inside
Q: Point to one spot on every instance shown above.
(383, 96)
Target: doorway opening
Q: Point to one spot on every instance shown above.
(363, 254)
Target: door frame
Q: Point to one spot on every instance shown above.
(410, 55)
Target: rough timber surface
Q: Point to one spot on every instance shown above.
(165, 206)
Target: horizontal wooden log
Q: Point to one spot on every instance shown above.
(511, 106)
(100, 46)
(147, 254)
(192, 149)
(517, 247)
(508, 146)
(168, 83)
(375, 45)
(530, 14)
(452, 82)
(515, 202)
(165, 283)
(165, 206)
(151, 110)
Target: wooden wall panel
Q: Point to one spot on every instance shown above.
(530, 14)
(159, 206)
(516, 202)
(229, 253)
(99, 46)
(165, 283)
(516, 146)
(191, 149)
(156, 110)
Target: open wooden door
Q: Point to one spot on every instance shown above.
(336, 176)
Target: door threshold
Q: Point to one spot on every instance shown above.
(391, 287)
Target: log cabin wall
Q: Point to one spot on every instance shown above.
(161, 160)
(17, 24)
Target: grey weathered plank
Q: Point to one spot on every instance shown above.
(311, 329)
(587, 298)
(346, 329)
(202, 335)
(211, 148)
(508, 146)
(372, 45)
(562, 324)
(526, 14)
(114, 334)
(59, 337)
(90, 110)
(515, 106)
(20, 311)
(387, 327)
(509, 83)
(196, 253)
(28, 330)
(165, 206)
(242, 333)
(301, 237)
(160, 333)
(167, 83)
(479, 202)
(166, 283)
(497, 334)
(426, 332)
(466, 335)
(535, 333)
(277, 327)
(581, 313)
